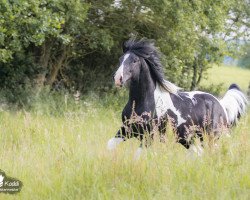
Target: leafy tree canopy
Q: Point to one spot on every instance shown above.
(76, 44)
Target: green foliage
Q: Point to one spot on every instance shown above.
(215, 89)
(76, 44)
(34, 38)
(223, 76)
(244, 60)
(17, 79)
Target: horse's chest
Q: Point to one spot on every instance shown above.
(164, 105)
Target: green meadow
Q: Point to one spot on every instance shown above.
(58, 150)
(226, 75)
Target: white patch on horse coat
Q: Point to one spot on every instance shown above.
(113, 142)
(163, 102)
(119, 72)
(191, 96)
(234, 102)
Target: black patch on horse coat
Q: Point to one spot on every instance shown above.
(141, 105)
(203, 113)
(173, 117)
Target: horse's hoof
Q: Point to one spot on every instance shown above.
(138, 153)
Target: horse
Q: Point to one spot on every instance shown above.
(154, 101)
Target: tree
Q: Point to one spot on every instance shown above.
(244, 58)
(77, 43)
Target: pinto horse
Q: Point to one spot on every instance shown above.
(153, 101)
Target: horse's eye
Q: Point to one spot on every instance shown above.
(135, 61)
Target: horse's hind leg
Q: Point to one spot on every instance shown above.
(194, 149)
(162, 131)
(184, 142)
(197, 143)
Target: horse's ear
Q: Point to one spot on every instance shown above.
(124, 47)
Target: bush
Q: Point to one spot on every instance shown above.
(213, 89)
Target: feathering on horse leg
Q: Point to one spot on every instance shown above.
(113, 142)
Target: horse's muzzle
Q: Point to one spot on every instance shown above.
(118, 81)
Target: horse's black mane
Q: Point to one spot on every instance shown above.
(146, 49)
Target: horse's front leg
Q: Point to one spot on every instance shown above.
(144, 143)
(138, 152)
(146, 138)
(113, 142)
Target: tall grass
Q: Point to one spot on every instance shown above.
(58, 150)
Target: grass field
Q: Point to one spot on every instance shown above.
(64, 157)
(227, 75)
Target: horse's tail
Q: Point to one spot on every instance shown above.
(235, 104)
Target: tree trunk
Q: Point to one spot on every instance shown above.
(200, 75)
(57, 66)
(44, 63)
(194, 78)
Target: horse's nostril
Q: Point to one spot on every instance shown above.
(121, 79)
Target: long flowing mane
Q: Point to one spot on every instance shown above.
(146, 50)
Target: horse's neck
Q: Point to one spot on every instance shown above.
(142, 90)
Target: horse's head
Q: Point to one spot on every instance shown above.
(129, 69)
(141, 57)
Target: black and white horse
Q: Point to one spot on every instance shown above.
(153, 101)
